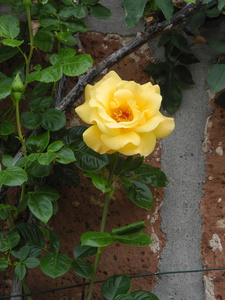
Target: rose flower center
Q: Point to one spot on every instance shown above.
(123, 114)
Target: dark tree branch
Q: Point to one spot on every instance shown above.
(152, 31)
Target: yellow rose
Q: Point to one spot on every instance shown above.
(124, 115)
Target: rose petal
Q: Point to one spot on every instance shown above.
(105, 89)
(120, 98)
(87, 92)
(164, 128)
(119, 141)
(92, 138)
(153, 104)
(145, 147)
(147, 96)
(84, 112)
(150, 124)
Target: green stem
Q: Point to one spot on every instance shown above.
(24, 55)
(104, 215)
(31, 42)
(26, 288)
(53, 88)
(20, 135)
(22, 194)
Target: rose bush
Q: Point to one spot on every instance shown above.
(124, 116)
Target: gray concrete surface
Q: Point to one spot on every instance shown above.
(183, 161)
(115, 23)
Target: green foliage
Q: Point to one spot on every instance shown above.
(96, 239)
(99, 11)
(32, 237)
(81, 251)
(82, 268)
(68, 174)
(52, 237)
(3, 264)
(31, 120)
(115, 285)
(89, 160)
(13, 176)
(143, 295)
(132, 228)
(4, 210)
(40, 103)
(124, 297)
(5, 85)
(55, 264)
(48, 192)
(9, 27)
(65, 156)
(139, 239)
(44, 40)
(6, 128)
(139, 193)
(166, 6)
(171, 75)
(21, 253)
(53, 119)
(99, 182)
(128, 235)
(134, 11)
(31, 262)
(20, 271)
(40, 206)
(216, 78)
(221, 4)
(7, 52)
(151, 175)
(38, 143)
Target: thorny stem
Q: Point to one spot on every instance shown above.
(104, 215)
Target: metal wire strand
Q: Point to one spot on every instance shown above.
(101, 281)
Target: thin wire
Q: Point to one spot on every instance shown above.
(101, 281)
